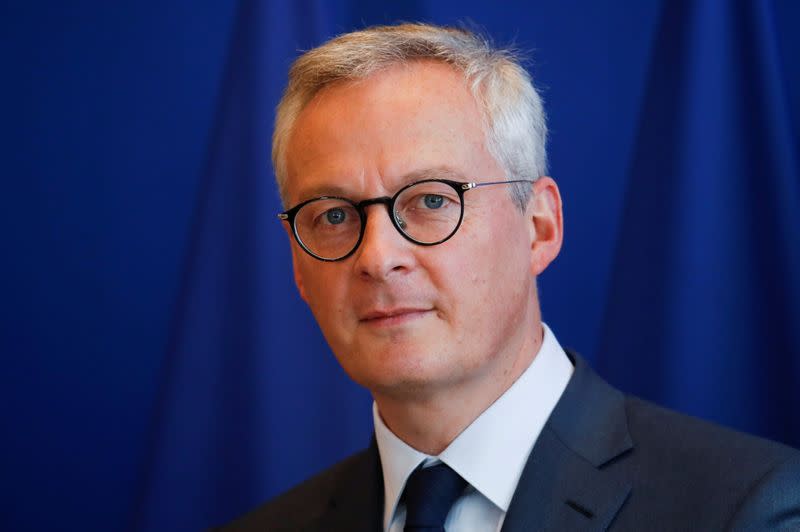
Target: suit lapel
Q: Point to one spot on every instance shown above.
(564, 485)
(356, 504)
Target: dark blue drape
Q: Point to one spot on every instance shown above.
(161, 371)
(704, 309)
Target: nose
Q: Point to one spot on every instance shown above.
(383, 252)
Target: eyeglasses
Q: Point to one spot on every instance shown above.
(426, 212)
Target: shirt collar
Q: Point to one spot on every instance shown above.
(490, 463)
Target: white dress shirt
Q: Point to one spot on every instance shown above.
(489, 454)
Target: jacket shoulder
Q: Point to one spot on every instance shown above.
(302, 504)
(712, 476)
(666, 433)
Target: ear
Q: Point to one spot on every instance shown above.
(298, 277)
(547, 224)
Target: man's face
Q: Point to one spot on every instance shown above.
(403, 318)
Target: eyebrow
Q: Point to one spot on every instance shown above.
(437, 172)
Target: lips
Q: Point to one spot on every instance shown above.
(393, 315)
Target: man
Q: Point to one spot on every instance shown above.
(412, 162)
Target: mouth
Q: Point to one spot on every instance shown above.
(393, 317)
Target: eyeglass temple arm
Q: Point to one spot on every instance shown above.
(468, 186)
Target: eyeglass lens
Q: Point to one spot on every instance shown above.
(427, 212)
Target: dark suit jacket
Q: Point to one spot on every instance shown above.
(603, 461)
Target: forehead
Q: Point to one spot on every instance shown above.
(366, 137)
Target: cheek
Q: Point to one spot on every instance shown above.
(495, 268)
(325, 288)
(464, 273)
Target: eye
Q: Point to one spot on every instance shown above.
(335, 216)
(433, 201)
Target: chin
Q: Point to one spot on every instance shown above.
(401, 370)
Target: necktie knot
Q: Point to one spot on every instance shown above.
(429, 494)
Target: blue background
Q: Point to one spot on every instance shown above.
(159, 370)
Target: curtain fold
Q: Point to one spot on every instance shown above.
(702, 312)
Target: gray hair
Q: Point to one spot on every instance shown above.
(514, 120)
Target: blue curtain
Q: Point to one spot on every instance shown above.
(703, 313)
(139, 210)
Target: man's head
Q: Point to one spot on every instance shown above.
(371, 112)
(511, 110)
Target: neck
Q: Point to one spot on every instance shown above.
(431, 420)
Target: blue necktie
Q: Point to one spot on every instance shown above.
(429, 494)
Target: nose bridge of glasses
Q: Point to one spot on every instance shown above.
(386, 201)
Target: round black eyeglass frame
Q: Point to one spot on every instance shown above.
(459, 186)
